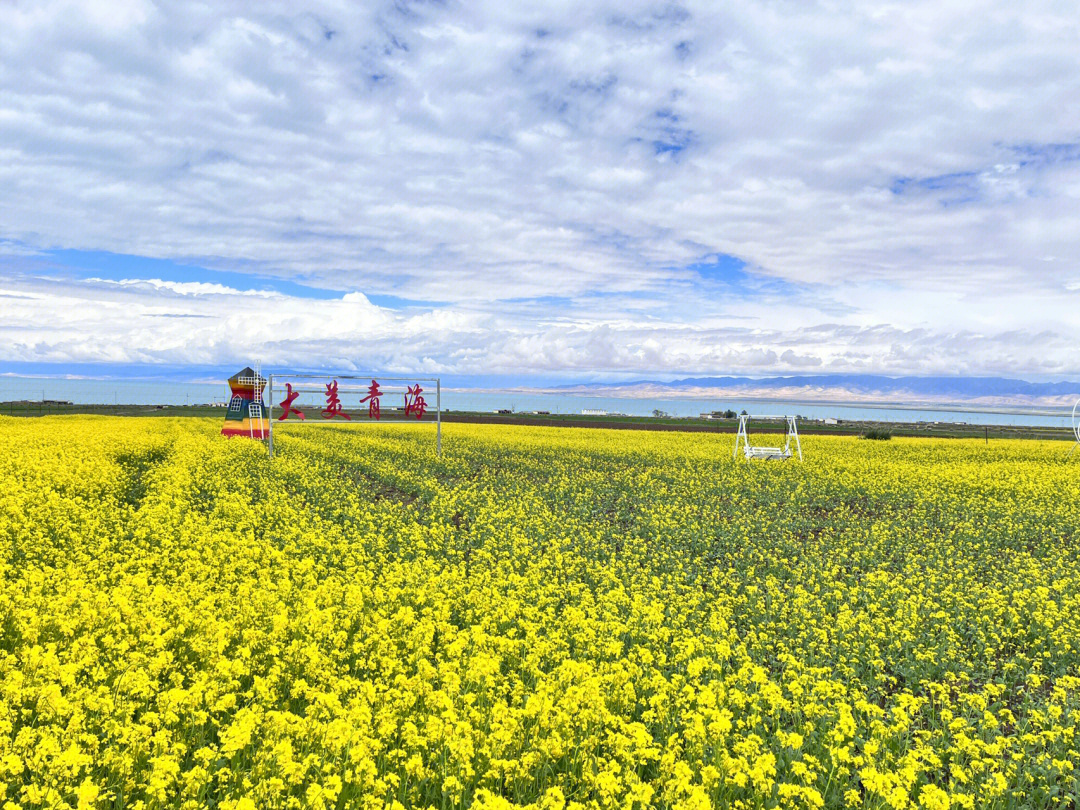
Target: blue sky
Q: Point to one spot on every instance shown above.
(545, 191)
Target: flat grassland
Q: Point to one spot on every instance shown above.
(558, 618)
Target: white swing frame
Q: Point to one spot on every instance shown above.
(771, 453)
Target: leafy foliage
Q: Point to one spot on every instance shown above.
(878, 434)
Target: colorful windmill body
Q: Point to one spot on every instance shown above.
(246, 414)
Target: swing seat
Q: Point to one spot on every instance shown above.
(777, 453)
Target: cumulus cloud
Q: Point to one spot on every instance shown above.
(194, 287)
(909, 167)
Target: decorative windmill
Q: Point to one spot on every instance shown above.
(246, 414)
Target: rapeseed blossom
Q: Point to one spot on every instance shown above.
(551, 619)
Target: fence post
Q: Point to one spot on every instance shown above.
(270, 420)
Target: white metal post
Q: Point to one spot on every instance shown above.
(1075, 427)
(740, 433)
(270, 396)
(438, 417)
(793, 432)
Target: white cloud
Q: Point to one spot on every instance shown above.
(188, 287)
(59, 320)
(919, 163)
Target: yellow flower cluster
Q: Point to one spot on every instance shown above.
(544, 618)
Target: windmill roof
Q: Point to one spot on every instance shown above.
(246, 372)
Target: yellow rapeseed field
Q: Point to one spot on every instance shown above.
(549, 618)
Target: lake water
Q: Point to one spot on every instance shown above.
(134, 392)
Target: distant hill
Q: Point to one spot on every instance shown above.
(861, 387)
(872, 383)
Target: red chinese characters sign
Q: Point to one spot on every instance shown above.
(344, 397)
(333, 403)
(415, 404)
(287, 404)
(372, 399)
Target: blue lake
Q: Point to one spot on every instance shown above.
(135, 392)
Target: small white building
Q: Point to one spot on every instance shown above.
(831, 420)
(593, 412)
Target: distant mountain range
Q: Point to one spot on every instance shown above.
(1001, 391)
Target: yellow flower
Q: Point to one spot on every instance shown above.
(550, 618)
(87, 794)
(932, 797)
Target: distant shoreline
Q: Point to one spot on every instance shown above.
(759, 425)
(949, 406)
(684, 402)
